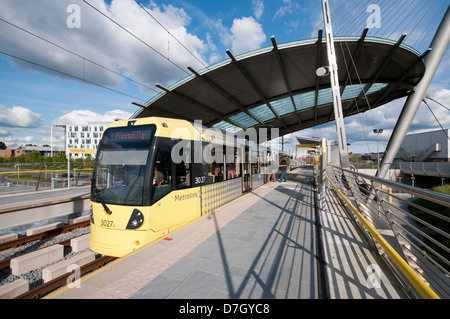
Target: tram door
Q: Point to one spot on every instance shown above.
(246, 169)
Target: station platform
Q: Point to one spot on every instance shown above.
(262, 245)
(21, 211)
(9, 200)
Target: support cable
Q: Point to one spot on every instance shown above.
(156, 20)
(69, 75)
(432, 20)
(341, 28)
(424, 101)
(76, 54)
(320, 24)
(136, 37)
(351, 82)
(430, 98)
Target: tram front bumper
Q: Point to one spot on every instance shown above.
(116, 243)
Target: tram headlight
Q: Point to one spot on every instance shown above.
(136, 219)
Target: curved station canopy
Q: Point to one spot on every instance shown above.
(277, 86)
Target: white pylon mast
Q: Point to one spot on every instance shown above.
(337, 104)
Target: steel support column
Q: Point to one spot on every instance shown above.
(438, 47)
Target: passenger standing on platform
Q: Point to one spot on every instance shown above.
(283, 167)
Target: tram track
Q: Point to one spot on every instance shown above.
(29, 244)
(7, 262)
(64, 280)
(41, 236)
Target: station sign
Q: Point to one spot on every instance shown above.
(73, 150)
(306, 145)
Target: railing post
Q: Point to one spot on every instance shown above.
(321, 187)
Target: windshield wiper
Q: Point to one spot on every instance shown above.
(100, 199)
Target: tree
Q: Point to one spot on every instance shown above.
(60, 157)
(34, 157)
(2, 145)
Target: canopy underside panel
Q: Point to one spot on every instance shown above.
(278, 86)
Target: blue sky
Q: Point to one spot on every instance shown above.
(32, 98)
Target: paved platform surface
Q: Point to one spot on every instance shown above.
(262, 245)
(351, 261)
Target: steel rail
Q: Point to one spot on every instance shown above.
(62, 280)
(438, 198)
(40, 236)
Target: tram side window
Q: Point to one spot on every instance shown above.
(256, 163)
(215, 161)
(232, 163)
(183, 175)
(183, 168)
(162, 177)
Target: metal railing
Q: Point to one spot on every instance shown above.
(44, 174)
(412, 235)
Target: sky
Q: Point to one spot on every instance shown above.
(80, 61)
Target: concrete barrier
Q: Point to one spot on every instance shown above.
(22, 264)
(35, 210)
(79, 219)
(80, 243)
(54, 271)
(14, 289)
(8, 237)
(41, 229)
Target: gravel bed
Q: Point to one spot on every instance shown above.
(34, 277)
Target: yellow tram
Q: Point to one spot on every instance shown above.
(152, 175)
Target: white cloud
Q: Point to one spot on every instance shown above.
(247, 34)
(214, 57)
(102, 41)
(289, 7)
(15, 140)
(28, 139)
(5, 132)
(19, 116)
(258, 8)
(84, 117)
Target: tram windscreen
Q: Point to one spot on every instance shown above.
(121, 165)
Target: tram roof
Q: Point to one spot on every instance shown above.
(278, 87)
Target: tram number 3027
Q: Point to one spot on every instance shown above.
(106, 223)
(200, 180)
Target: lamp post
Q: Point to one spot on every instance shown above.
(378, 132)
(51, 136)
(67, 149)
